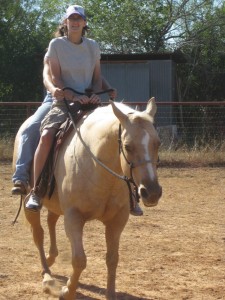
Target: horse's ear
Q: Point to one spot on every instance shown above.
(151, 108)
(118, 113)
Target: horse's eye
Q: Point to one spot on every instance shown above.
(127, 148)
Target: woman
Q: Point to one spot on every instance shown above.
(31, 135)
(74, 62)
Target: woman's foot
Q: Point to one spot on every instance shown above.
(34, 202)
(20, 188)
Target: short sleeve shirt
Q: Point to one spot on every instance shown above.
(77, 62)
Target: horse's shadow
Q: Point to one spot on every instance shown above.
(95, 289)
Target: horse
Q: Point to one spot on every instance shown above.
(109, 148)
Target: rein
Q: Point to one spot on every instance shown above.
(129, 181)
(18, 212)
(88, 92)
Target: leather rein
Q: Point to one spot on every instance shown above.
(132, 187)
(133, 191)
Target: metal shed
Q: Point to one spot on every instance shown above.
(138, 77)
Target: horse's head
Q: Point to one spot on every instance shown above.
(139, 151)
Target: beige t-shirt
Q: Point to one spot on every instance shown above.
(77, 62)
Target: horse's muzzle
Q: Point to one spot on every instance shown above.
(150, 197)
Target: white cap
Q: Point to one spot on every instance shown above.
(75, 9)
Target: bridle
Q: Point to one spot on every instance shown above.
(132, 187)
(131, 164)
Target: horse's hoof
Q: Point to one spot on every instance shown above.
(63, 293)
(47, 283)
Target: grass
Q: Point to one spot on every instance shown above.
(6, 148)
(192, 158)
(180, 156)
(199, 155)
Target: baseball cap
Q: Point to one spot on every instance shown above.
(75, 9)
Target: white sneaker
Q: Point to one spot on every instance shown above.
(34, 202)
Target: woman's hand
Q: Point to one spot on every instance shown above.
(68, 95)
(95, 99)
(58, 93)
(83, 99)
(112, 94)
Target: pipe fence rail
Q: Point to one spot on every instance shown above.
(193, 124)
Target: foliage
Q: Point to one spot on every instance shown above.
(25, 34)
(204, 75)
(194, 27)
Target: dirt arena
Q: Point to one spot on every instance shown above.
(175, 251)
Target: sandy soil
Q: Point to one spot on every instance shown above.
(175, 251)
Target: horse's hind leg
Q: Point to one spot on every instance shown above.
(53, 251)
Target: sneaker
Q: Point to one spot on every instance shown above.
(34, 202)
(136, 211)
(20, 188)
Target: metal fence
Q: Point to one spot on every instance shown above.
(193, 124)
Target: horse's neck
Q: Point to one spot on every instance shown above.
(101, 134)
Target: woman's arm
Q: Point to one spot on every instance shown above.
(55, 72)
(106, 86)
(97, 78)
(47, 80)
(55, 75)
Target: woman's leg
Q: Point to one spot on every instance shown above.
(40, 158)
(27, 146)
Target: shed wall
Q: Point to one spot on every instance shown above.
(137, 81)
(130, 79)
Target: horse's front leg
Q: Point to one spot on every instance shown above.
(53, 250)
(74, 225)
(38, 237)
(113, 232)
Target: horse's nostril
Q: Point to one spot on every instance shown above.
(143, 193)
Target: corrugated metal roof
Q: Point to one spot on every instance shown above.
(176, 56)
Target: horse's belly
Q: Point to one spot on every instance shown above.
(52, 203)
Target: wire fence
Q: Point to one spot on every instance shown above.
(193, 124)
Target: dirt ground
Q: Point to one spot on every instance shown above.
(175, 251)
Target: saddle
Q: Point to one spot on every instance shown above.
(46, 181)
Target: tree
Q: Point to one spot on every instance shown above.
(25, 34)
(125, 26)
(194, 27)
(204, 74)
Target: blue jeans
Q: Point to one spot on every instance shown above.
(29, 141)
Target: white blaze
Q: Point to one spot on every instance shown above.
(149, 167)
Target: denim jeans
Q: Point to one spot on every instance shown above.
(29, 140)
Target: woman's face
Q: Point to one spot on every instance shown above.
(75, 23)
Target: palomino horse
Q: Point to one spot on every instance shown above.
(86, 190)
